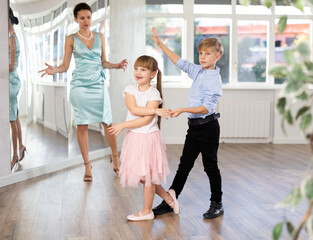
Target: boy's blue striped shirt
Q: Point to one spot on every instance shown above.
(206, 87)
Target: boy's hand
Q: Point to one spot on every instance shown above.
(155, 37)
(163, 112)
(176, 112)
(116, 129)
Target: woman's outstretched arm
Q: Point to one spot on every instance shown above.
(68, 49)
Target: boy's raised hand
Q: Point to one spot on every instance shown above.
(155, 37)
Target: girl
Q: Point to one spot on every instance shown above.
(143, 152)
(15, 85)
(89, 95)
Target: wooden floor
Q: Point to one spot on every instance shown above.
(61, 206)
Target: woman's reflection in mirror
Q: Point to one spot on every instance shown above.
(15, 85)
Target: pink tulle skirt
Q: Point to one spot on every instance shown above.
(143, 157)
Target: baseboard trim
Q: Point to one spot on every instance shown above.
(50, 126)
(42, 170)
(290, 141)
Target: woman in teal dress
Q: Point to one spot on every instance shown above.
(15, 85)
(88, 94)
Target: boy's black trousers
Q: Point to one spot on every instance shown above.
(202, 139)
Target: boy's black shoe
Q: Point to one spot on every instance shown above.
(162, 208)
(215, 210)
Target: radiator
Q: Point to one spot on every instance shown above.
(245, 119)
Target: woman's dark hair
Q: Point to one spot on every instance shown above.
(81, 6)
(14, 20)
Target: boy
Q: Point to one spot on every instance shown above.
(204, 130)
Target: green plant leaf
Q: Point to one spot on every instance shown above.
(277, 230)
(279, 71)
(305, 121)
(298, 4)
(290, 228)
(267, 3)
(297, 74)
(288, 117)
(282, 24)
(309, 189)
(294, 197)
(302, 110)
(293, 86)
(303, 96)
(281, 105)
(289, 56)
(304, 49)
(244, 2)
(309, 65)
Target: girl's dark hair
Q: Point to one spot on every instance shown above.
(81, 6)
(14, 20)
(151, 64)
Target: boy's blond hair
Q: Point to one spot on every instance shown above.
(211, 42)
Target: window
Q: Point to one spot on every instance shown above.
(252, 50)
(296, 30)
(212, 6)
(255, 8)
(55, 52)
(214, 28)
(164, 6)
(170, 31)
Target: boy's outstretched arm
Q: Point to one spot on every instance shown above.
(171, 55)
(195, 110)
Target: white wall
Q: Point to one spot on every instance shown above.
(127, 40)
(4, 92)
(174, 130)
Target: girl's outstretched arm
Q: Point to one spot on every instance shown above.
(116, 129)
(130, 102)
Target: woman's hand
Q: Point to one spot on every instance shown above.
(116, 129)
(176, 112)
(163, 112)
(155, 37)
(50, 70)
(122, 65)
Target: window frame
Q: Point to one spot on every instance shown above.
(189, 17)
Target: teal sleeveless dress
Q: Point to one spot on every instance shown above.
(88, 93)
(15, 83)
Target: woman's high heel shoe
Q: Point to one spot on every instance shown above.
(116, 170)
(87, 178)
(14, 161)
(22, 153)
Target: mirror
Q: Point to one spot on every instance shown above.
(44, 121)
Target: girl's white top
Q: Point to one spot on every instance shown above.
(142, 98)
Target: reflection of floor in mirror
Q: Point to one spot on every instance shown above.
(61, 205)
(96, 141)
(44, 146)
